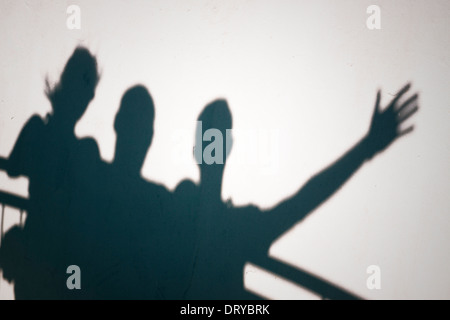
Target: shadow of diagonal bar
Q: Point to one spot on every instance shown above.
(307, 280)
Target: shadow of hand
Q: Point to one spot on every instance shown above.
(385, 126)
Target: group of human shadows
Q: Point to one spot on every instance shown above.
(131, 238)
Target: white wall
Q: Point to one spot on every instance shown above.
(305, 72)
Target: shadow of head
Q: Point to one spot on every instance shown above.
(213, 139)
(76, 87)
(134, 127)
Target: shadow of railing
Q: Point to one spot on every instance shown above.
(309, 281)
(14, 201)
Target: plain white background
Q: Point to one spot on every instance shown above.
(304, 74)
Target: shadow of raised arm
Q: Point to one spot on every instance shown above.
(384, 129)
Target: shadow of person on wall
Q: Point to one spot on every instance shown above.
(119, 237)
(45, 152)
(132, 238)
(226, 237)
